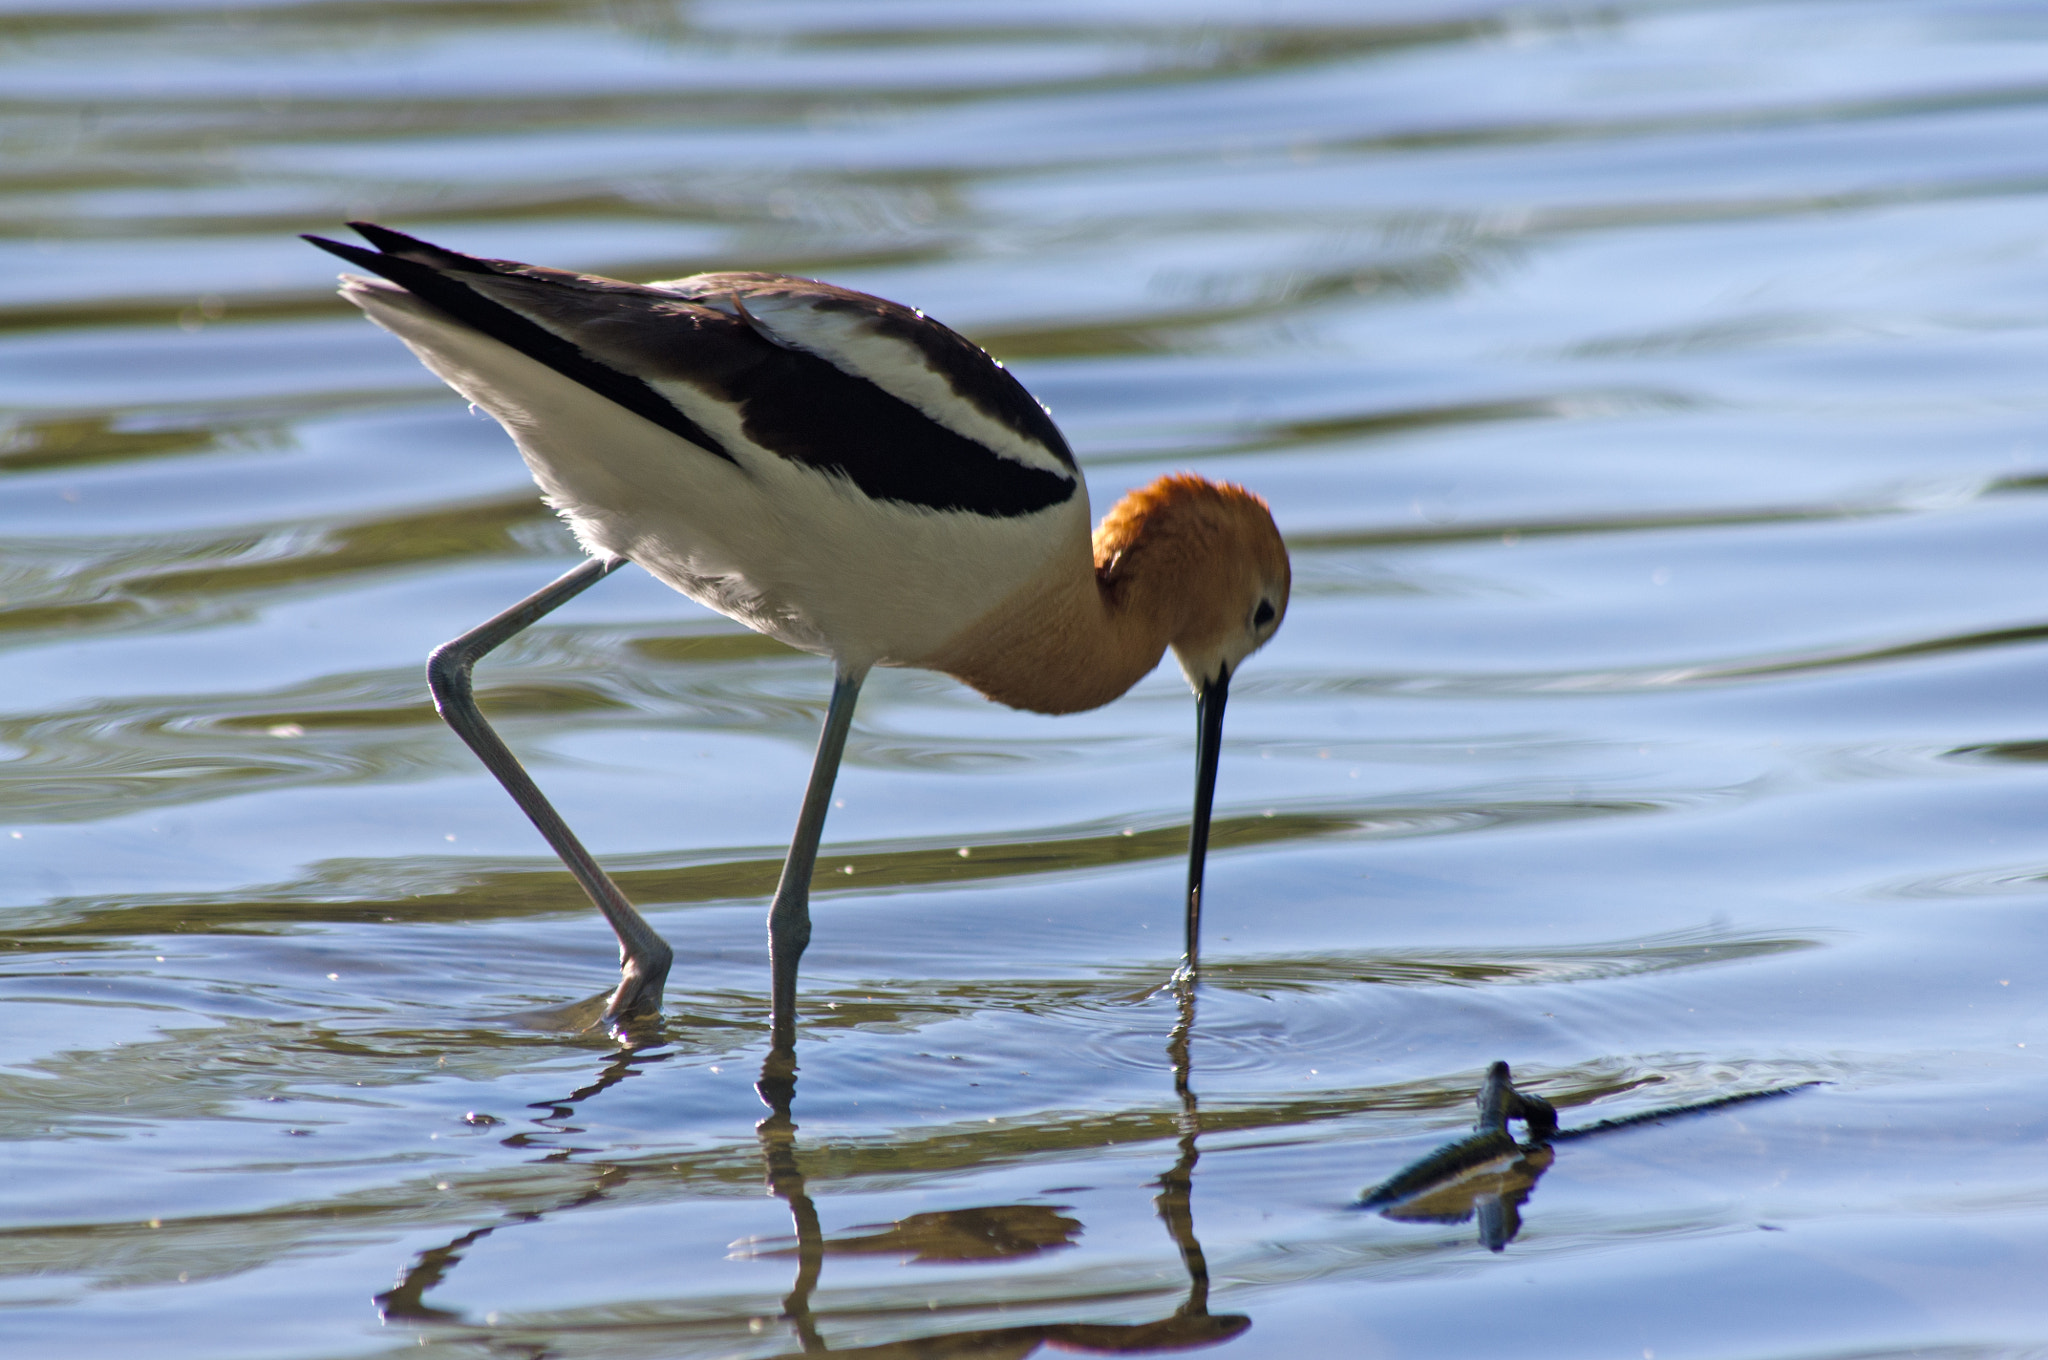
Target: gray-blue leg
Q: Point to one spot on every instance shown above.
(789, 918)
(644, 956)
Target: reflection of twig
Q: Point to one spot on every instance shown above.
(1440, 1168)
(1490, 1176)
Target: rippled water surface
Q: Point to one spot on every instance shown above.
(1653, 398)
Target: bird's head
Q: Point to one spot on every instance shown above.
(1213, 560)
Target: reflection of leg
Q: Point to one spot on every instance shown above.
(786, 1182)
(643, 956)
(627, 1064)
(789, 918)
(406, 1300)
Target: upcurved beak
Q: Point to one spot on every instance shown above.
(1208, 747)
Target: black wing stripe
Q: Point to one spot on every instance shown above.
(976, 378)
(501, 323)
(809, 411)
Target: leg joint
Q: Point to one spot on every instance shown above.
(448, 675)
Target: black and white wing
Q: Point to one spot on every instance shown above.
(745, 365)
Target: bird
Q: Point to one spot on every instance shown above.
(841, 473)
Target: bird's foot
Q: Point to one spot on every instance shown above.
(636, 1003)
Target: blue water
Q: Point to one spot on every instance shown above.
(1654, 400)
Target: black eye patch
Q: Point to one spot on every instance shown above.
(1263, 615)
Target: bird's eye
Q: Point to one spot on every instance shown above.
(1263, 615)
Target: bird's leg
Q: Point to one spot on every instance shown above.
(789, 918)
(643, 955)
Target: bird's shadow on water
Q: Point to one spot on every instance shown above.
(978, 1233)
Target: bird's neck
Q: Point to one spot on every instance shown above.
(1064, 641)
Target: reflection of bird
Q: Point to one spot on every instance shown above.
(838, 472)
(990, 1233)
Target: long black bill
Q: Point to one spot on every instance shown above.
(1208, 747)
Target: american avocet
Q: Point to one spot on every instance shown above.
(841, 473)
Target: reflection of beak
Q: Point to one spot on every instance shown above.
(1208, 746)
